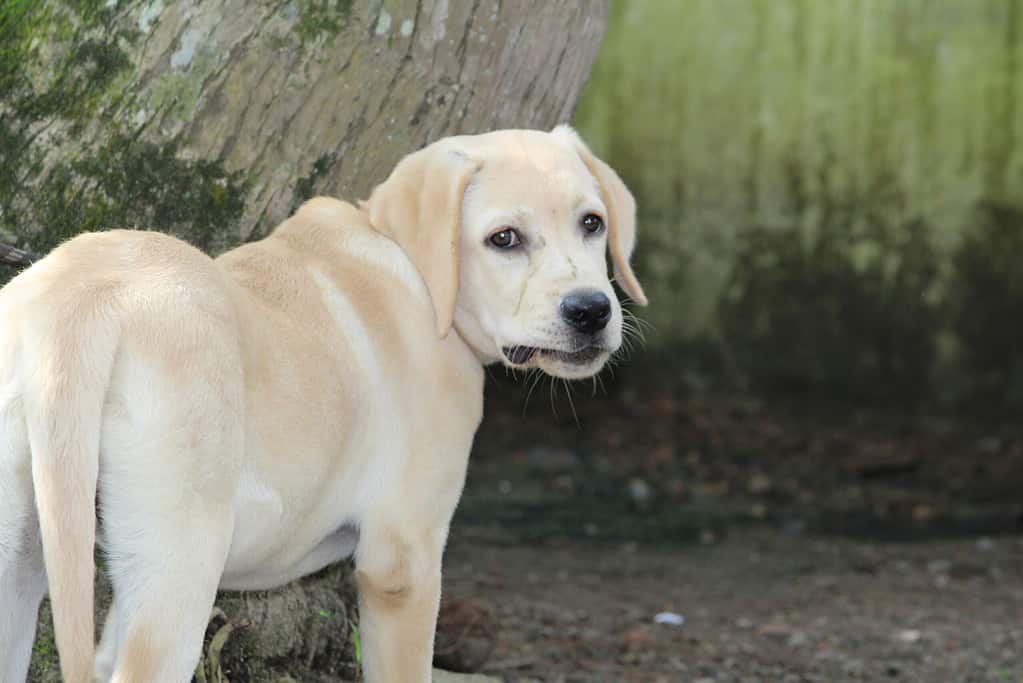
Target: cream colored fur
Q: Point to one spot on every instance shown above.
(247, 420)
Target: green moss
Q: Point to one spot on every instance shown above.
(177, 92)
(67, 83)
(322, 18)
(804, 124)
(80, 82)
(19, 22)
(849, 315)
(987, 298)
(86, 58)
(305, 188)
(124, 182)
(133, 184)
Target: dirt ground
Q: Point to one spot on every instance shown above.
(797, 545)
(758, 606)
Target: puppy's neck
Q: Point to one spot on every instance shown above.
(470, 331)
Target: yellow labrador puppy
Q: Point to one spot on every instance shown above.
(247, 420)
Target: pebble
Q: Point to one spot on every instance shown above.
(776, 629)
(669, 619)
(640, 493)
(759, 483)
(908, 635)
(798, 638)
(552, 460)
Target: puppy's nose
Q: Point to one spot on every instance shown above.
(587, 311)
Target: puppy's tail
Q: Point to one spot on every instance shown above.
(70, 350)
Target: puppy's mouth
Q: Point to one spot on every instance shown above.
(520, 355)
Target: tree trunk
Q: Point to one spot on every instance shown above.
(214, 119)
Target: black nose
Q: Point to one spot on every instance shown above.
(587, 311)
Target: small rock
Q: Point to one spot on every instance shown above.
(985, 545)
(923, 512)
(798, 639)
(551, 460)
(465, 637)
(669, 619)
(564, 484)
(854, 668)
(759, 483)
(640, 493)
(908, 635)
(776, 629)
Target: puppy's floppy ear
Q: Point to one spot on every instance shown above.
(621, 206)
(419, 206)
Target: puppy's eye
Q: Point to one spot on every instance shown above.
(506, 238)
(593, 224)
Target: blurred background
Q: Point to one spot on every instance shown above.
(810, 468)
(832, 193)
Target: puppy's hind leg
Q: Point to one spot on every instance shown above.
(22, 572)
(167, 505)
(167, 538)
(164, 596)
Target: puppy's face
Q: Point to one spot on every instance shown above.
(534, 289)
(510, 231)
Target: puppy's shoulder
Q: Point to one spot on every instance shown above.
(332, 211)
(325, 229)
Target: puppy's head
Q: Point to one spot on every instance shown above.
(510, 230)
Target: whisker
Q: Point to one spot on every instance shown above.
(571, 403)
(637, 321)
(533, 377)
(554, 408)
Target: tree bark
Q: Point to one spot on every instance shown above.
(213, 119)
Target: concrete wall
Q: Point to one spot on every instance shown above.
(817, 181)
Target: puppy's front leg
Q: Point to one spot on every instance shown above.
(399, 593)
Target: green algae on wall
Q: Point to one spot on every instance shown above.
(793, 129)
(322, 18)
(986, 302)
